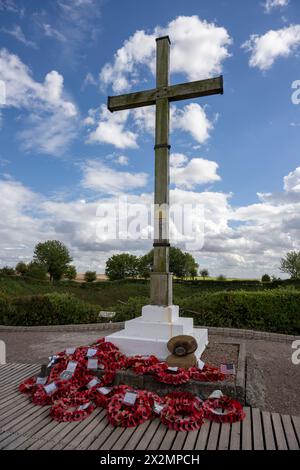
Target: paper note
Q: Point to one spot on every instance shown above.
(92, 383)
(84, 406)
(201, 364)
(216, 394)
(104, 390)
(130, 398)
(92, 363)
(41, 380)
(50, 388)
(91, 352)
(157, 408)
(71, 366)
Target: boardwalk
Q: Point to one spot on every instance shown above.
(26, 426)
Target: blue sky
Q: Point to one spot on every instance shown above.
(62, 153)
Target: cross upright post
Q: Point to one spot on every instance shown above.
(161, 96)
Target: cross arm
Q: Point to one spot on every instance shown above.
(131, 100)
(185, 91)
(182, 91)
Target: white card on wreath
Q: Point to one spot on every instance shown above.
(91, 352)
(130, 398)
(92, 363)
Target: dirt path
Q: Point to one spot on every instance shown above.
(273, 381)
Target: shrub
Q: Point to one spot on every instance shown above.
(21, 268)
(132, 308)
(48, 309)
(70, 273)
(7, 271)
(221, 277)
(275, 310)
(90, 276)
(36, 270)
(265, 278)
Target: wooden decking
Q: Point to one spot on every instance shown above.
(26, 426)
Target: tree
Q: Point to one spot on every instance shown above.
(291, 264)
(90, 276)
(221, 277)
(204, 273)
(36, 270)
(21, 268)
(55, 256)
(265, 278)
(181, 264)
(122, 266)
(70, 272)
(8, 271)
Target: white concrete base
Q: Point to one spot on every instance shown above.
(150, 333)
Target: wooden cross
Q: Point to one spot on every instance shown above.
(161, 96)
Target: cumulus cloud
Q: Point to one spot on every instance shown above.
(111, 129)
(270, 5)
(189, 174)
(238, 241)
(198, 51)
(192, 118)
(50, 113)
(272, 45)
(103, 179)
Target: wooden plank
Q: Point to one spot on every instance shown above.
(48, 431)
(279, 433)
(268, 431)
(235, 436)
(142, 434)
(112, 439)
(186, 91)
(203, 435)
(168, 440)
(258, 440)
(191, 440)
(289, 432)
(105, 429)
(131, 100)
(92, 431)
(14, 421)
(296, 423)
(247, 430)
(84, 427)
(158, 437)
(212, 443)
(180, 440)
(224, 437)
(123, 439)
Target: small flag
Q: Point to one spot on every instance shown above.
(227, 369)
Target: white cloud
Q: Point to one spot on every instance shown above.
(267, 48)
(189, 174)
(271, 4)
(51, 32)
(103, 179)
(192, 118)
(198, 50)
(292, 181)
(111, 129)
(17, 33)
(238, 241)
(50, 113)
(122, 160)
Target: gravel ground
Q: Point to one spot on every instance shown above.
(273, 382)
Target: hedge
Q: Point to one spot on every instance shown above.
(274, 311)
(48, 309)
